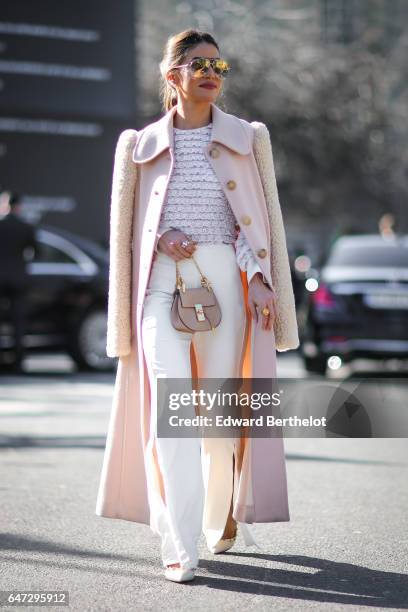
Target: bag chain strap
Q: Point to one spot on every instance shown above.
(180, 284)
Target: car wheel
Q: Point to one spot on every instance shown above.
(316, 365)
(89, 350)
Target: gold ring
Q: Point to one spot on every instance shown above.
(265, 311)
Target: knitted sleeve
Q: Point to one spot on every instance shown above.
(120, 245)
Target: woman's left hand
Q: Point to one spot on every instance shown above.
(261, 296)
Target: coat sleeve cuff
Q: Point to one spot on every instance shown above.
(252, 268)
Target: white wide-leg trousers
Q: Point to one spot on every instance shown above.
(197, 473)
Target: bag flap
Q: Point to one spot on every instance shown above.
(197, 295)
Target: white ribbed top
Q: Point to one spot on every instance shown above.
(195, 202)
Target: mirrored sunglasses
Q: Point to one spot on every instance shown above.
(200, 66)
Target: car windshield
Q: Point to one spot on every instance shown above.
(93, 248)
(89, 246)
(386, 255)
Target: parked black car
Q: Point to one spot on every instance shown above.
(358, 303)
(66, 300)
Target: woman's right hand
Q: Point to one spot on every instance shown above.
(171, 241)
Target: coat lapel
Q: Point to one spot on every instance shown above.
(158, 136)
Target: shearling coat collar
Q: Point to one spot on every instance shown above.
(158, 136)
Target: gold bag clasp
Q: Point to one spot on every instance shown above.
(199, 312)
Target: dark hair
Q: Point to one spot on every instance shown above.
(175, 51)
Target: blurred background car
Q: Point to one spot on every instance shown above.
(66, 300)
(357, 304)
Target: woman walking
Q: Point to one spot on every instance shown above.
(182, 188)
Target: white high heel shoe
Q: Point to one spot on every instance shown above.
(224, 544)
(179, 574)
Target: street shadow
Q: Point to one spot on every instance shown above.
(301, 457)
(70, 557)
(58, 442)
(370, 374)
(332, 582)
(329, 581)
(29, 377)
(99, 442)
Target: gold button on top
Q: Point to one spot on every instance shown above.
(262, 253)
(214, 152)
(231, 184)
(246, 219)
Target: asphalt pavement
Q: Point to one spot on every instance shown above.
(345, 547)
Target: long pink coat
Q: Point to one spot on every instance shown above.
(241, 156)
